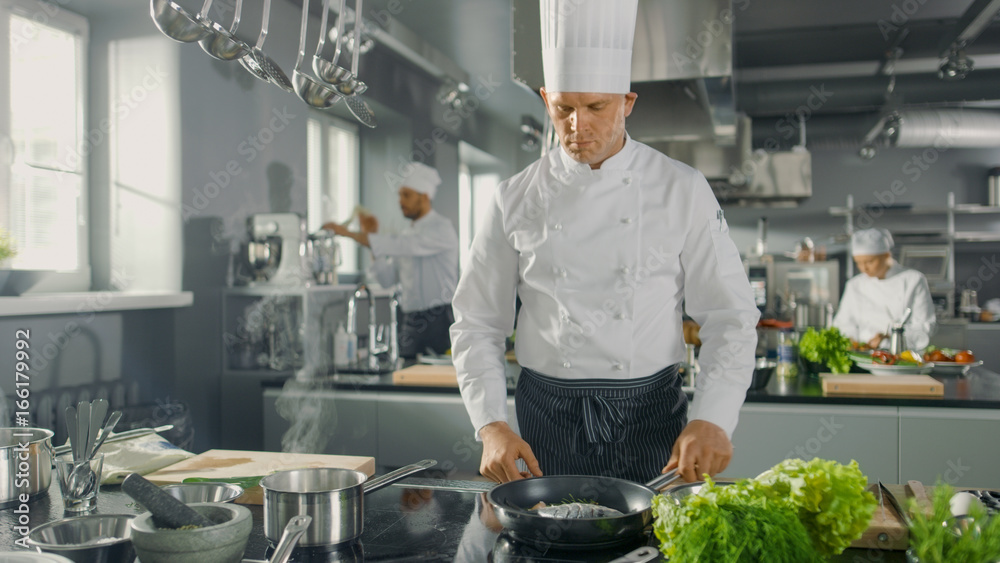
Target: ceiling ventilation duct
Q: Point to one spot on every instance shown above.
(947, 128)
(939, 128)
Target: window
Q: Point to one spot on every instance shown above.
(475, 195)
(43, 169)
(333, 184)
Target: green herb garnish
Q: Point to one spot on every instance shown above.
(931, 541)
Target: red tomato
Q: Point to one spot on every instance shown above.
(964, 357)
(883, 357)
(939, 356)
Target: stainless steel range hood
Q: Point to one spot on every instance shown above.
(682, 66)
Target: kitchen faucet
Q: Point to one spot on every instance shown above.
(376, 347)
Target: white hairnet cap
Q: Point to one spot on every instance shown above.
(421, 178)
(870, 242)
(587, 45)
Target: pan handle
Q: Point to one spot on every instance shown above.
(663, 480)
(639, 555)
(393, 476)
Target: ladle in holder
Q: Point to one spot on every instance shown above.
(312, 91)
(220, 43)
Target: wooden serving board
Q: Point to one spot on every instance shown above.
(887, 529)
(227, 464)
(902, 385)
(422, 374)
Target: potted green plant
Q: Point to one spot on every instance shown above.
(7, 249)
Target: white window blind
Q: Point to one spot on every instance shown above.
(334, 182)
(43, 189)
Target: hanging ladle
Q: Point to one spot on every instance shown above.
(220, 43)
(175, 22)
(259, 64)
(312, 91)
(352, 88)
(329, 71)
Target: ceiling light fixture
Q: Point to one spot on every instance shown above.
(955, 66)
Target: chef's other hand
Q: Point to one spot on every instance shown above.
(501, 450)
(337, 229)
(701, 448)
(369, 223)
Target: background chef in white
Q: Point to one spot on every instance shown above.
(879, 294)
(603, 239)
(423, 259)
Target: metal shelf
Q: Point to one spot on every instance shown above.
(976, 236)
(976, 209)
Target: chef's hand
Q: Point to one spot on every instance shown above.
(501, 450)
(369, 223)
(876, 340)
(701, 448)
(337, 229)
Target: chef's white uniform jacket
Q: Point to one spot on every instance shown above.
(602, 261)
(870, 306)
(423, 259)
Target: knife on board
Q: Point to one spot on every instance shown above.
(886, 493)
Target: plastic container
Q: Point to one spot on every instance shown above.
(345, 347)
(788, 355)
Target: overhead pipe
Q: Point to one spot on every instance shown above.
(956, 128)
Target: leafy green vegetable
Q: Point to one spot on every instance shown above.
(796, 511)
(730, 523)
(932, 542)
(827, 346)
(829, 497)
(7, 249)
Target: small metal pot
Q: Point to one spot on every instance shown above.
(333, 497)
(25, 464)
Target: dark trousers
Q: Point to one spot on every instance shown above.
(420, 330)
(602, 427)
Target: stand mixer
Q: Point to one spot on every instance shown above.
(276, 250)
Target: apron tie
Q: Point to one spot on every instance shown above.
(602, 420)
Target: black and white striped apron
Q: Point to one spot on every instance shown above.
(606, 427)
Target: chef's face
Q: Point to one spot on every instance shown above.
(873, 265)
(413, 203)
(591, 127)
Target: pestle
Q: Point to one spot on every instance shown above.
(167, 511)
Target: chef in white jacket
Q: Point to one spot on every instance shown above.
(422, 259)
(879, 295)
(603, 239)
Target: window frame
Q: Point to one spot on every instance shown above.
(314, 218)
(51, 15)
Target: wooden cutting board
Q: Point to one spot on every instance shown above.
(422, 374)
(904, 385)
(226, 464)
(887, 530)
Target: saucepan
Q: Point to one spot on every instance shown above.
(25, 464)
(333, 497)
(512, 503)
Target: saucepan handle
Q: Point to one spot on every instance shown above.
(663, 480)
(393, 476)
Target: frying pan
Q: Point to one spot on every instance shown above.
(512, 502)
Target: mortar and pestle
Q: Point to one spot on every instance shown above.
(174, 532)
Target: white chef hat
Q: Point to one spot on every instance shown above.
(870, 242)
(421, 178)
(587, 45)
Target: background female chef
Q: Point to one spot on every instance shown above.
(602, 239)
(878, 296)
